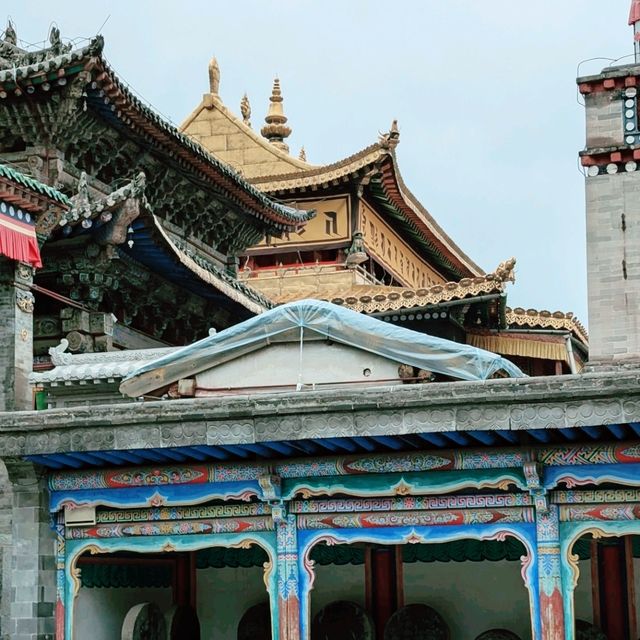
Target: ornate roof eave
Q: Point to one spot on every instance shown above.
(398, 298)
(555, 320)
(398, 193)
(136, 115)
(208, 273)
(380, 156)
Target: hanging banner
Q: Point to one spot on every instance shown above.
(18, 239)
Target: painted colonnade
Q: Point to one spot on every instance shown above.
(289, 507)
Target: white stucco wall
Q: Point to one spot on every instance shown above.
(472, 597)
(223, 597)
(99, 613)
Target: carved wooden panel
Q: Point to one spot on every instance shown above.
(342, 620)
(416, 622)
(255, 624)
(498, 634)
(144, 621)
(182, 623)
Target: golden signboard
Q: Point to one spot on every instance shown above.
(332, 223)
(386, 246)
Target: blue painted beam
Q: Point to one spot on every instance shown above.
(325, 444)
(203, 452)
(459, 438)
(617, 430)
(388, 441)
(236, 450)
(486, 437)
(86, 458)
(109, 457)
(128, 456)
(45, 461)
(148, 454)
(172, 455)
(570, 434)
(435, 439)
(636, 427)
(280, 447)
(541, 435)
(365, 443)
(65, 460)
(306, 446)
(595, 433)
(345, 444)
(509, 436)
(259, 449)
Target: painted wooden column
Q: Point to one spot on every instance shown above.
(384, 584)
(614, 597)
(552, 616)
(285, 604)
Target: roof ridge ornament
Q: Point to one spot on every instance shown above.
(245, 110)
(276, 129)
(10, 36)
(214, 76)
(303, 154)
(391, 139)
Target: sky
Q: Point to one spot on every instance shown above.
(483, 90)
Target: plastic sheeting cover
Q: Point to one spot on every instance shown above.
(326, 320)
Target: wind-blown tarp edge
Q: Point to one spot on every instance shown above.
(341, 325)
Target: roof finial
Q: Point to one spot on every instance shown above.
(276, 130)
(634, 21)
(10, 35)
(214, 76)
(303, 154)
(391, 139)
(245, 110)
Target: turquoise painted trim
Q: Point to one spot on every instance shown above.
(526, 533)
(391, 484)
(148, 496)
(33, 185)
(618, 473)
(570, 532)
(75, 548)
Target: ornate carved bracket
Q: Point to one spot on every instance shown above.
(533, 472)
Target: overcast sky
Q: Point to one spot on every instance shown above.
(484, 92)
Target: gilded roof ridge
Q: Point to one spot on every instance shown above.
(320, 169)
(397, 298)
(547, 319)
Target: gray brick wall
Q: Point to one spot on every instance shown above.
(16, 339)
(604, 120)
(28, 562)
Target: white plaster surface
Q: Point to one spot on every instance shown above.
(99, 613)
(223, 597)
(472, 597)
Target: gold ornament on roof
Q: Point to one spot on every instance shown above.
(276, 130)
(245, 110)
(302, 155)
(214, 77)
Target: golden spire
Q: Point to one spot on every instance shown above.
(245, 110)
(303, 154)
(214, 76)
(276, 130)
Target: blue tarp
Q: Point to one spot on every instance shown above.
(313, 318)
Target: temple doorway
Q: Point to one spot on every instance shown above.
(607, 594)
(215, 593)
(463, 589)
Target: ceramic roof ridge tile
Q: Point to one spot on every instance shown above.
(283, 216)
(547, 319)
(14, 175)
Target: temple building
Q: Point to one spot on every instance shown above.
(373, 247)
(245, 397)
